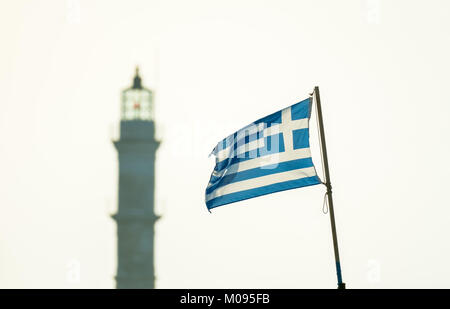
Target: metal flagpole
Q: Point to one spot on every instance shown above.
(341, 285)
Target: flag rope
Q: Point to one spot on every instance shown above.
(325, 203)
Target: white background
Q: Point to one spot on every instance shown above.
(383, 71)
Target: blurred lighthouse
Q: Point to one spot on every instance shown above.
(135, 217)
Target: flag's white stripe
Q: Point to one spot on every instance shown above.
(270, 161)
(274, 129)
(253, 145)
(262, 181)
(224, 153)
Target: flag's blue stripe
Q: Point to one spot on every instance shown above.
(301, 109)
(274, 118)
(213, 179)
(258, 172)
(246, 194)
(270, 147)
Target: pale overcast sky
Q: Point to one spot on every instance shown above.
(215, 66)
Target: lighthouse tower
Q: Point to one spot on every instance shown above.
(135, 217)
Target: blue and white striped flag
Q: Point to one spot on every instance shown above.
(272, 154)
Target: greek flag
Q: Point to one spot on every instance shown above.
(272, 154)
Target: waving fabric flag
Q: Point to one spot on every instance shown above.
(270, 155)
